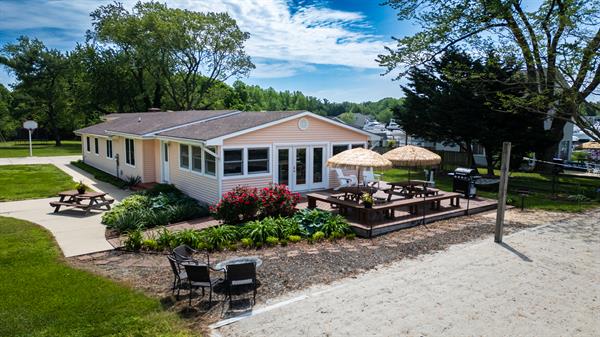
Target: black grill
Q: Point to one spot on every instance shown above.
(464, 181)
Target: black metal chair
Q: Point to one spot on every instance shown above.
(184, 253)
(179, 276)
(198, 276)
(242, 274)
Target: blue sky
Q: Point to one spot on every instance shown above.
(322, 48)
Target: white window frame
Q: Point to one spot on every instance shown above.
(247, 159)
(185, 168)
(96, 146)
(205, 153)
(109, 155)
(88, 145)
(191, 158)
(127, 154)
(243, 160)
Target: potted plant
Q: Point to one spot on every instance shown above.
(367, 200)
(80, 187)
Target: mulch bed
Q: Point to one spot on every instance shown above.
(300, 265)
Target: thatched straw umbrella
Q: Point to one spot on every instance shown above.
(358, 158)
(412, 156)
(591, 146)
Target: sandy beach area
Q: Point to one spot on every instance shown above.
(543, 281)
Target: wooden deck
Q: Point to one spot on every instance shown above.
(404, 218)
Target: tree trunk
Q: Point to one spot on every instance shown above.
(550, 152)
(489, 159)
(470, 156)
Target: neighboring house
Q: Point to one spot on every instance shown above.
(207, 153)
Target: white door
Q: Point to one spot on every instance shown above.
(164, 154)
(302, 168)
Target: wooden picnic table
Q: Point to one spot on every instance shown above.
(354, 193)
(95, 200)
(410, 189)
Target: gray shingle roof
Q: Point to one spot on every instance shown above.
(226, 125)
(148, 122)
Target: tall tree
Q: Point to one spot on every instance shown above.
(41, 74)
(558, 41)
(183, 53)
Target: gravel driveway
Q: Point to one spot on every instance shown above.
(544, 281)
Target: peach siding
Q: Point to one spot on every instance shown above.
(109, 165)
(258, 182)
(203, 188)
(288, 132)
(99, 161)
(149, 164)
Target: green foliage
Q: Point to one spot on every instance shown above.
(258, 231)
(134, 241)
(219, 237)
(247, 242)
(150, 244)
(165, 239)
(289, 226)
(580, 156)
(131, 181)
(350, 236)
(318, 236)
(335, 224)
(156, 207)
(271, 241)
(283, 242)
(311, 220)
(294, 238)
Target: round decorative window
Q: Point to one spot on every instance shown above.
(303, 124)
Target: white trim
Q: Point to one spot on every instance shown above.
(181, 140)
(179, 156)
(125, 152)
(154, 133)
(112, 154)
(245, 173)
(219, 140)
(126, 135)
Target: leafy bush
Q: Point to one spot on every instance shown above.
(165, 239)
(188, 237)
(336, 236)
(350, 236)
(259, 231)
(237, 206)
(277, 200)
(134, 240)
(247, 242)
(219, 237)
(271, 241)
(131, 181)
(289, 226)
(312, 220)
(158, 206)
(150, 244)
(318, 236)
(335, 224)
(283, 242)
(294, 238)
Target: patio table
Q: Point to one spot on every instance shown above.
(355, 192)
(96, 200)
(409, 189)
(238, 260)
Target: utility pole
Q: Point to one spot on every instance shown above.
(502, 188)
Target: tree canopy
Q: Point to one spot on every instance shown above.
(558, 42)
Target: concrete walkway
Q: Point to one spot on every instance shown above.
(75, 232)
(542, 282)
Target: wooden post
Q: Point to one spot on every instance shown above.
(502, 191)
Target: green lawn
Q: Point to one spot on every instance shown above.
(68, 148)
(43, 296)
(541, 197)
(18, 182)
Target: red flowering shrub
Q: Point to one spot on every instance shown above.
(237, 206)
(277, 200)
(244, 203)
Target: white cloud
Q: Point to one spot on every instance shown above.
(270, 69)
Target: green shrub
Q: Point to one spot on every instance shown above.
(335, 224)
(258, 245)
(186, 211)
(350, 236)
(294, 238)
(134, 240)
(289, 226)
(219, 237)
(247, 242)
(127, 221)
(150, 244)
(318, 236)
(312, 220)
(165, 239)
(259, 231)
(155, 218)
(272, 241)
(162, 188)
(283, 242)
(131, 181)
(188, 237)
(336, 236)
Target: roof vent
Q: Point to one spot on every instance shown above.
(154, 110)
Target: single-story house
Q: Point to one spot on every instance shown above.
(206, 153)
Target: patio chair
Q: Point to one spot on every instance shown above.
(345, 180)
(179, 276)
(185, 253)
(371, 178)
(242, 274)
(198, 276)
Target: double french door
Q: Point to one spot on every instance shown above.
(301, 167)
